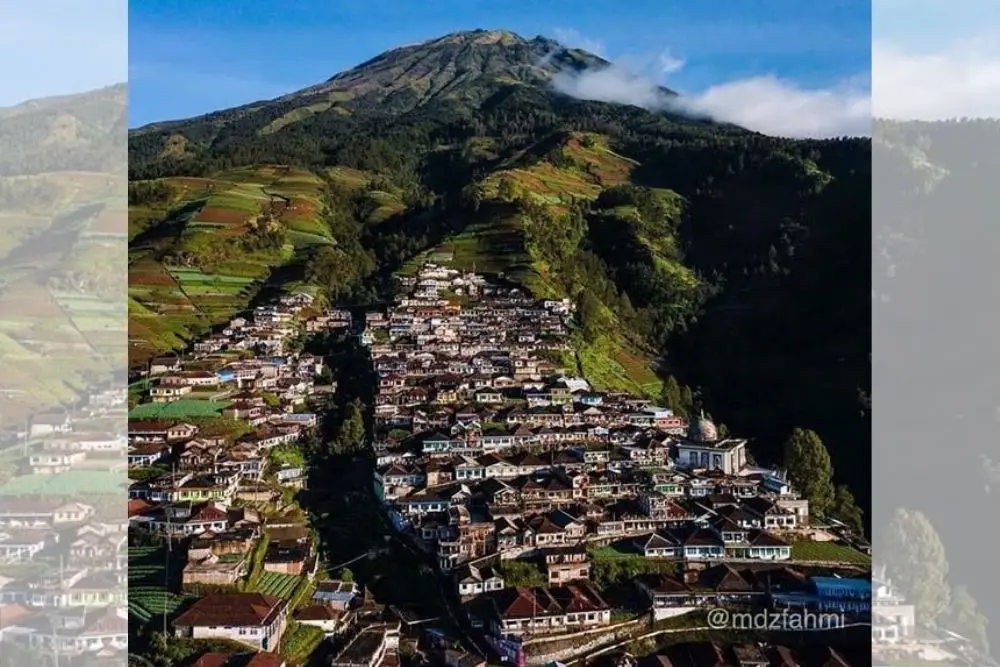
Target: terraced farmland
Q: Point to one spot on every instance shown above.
(149, 585)
(278, 585)
(577, 165)
(182, 409)
(204, 255)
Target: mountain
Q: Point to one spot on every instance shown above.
(63, 215)
(65, 133)
(442, 79)
(465, 67)
(713, 267)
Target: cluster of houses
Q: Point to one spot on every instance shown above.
(898, 638)
(220, 493)
(202, 482)
(64, 558)
(488, 449)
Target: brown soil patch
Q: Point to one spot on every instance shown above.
(110, 223)
(221, 215)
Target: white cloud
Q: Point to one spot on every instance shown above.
(612, 84)
(766, 104)
(956, 81)
(777, 107)
(573, 39)
(669, 64)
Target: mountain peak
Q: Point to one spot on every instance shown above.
(484, 36)
(467, 65)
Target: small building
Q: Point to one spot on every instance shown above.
(366, 649)
(325, 618)
(251, 618)
(477, 579)
(338, 595)
(168, 393)
(702, 449)
(830, 594)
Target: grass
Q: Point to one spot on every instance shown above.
(613, 552)
(828, 551)
(608, 364)
(299, 642)
(295, 116)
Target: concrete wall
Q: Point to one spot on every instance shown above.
(566, 647)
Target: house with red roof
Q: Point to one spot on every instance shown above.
(251, 618)
(547, 610)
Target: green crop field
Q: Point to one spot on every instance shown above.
(72, 482)
(184, 408)
(277, 584)
(828, 552)
(149, 594)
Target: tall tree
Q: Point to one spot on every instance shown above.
(809, 469)
(846, 509)
(915, 559)
(963, 617)
(589, 309)
(351, 434)
(673, 398)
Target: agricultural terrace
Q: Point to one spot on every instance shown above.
(160, 316)
(578, 165)
(828, 552)
(182, 409)
(213, 246)
(90, 313)
(69, 483)
(278, 585)
(217, 296)
(111, 222)
(150, 582)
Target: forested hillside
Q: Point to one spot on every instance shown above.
(713, 267)
(934, 278)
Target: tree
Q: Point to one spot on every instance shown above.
(472, 196)
(916, 562)
(963, 617)
(591, 317)
(325, 376)
(673, 398)
(345, 574)
(507, 191)
(351, 434)
(809, 469)
(846, 509)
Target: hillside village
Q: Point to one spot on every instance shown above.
(545, 506)
(522, 482)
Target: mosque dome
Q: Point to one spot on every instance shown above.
(702, 430)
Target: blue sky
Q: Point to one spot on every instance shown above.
(188, 57)
(57, 47)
